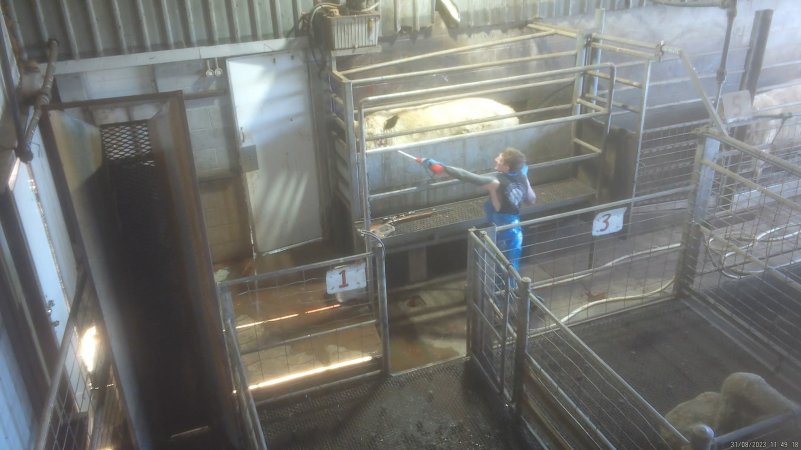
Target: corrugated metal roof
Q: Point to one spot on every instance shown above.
(93, 28)
(96, 28)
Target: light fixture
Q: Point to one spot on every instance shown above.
(306, 373)
(88, 348)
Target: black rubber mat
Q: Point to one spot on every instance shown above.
(438, 407)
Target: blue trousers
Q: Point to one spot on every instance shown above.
(510, 242)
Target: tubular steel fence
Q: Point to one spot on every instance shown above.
(248, 420)
(611, 333)
(305, 327)
(743, 263)
(578, 276)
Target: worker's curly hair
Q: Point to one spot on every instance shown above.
(513, 158)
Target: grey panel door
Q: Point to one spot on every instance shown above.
(270, 94)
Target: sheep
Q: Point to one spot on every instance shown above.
(744, 399)
(703, 409)
(747, 398)
(774, 133)
(437, 114)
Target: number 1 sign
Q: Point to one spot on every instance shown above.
(345, 278)
(608, 222)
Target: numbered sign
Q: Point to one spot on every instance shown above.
(608, 222)
(346, 278)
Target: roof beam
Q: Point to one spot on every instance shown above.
(176, 55)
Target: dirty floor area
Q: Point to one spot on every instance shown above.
(438, 407)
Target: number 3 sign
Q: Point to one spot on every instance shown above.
(345, 278)
(608, 222)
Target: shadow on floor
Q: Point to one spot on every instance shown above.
(438, 407)
(427, 324)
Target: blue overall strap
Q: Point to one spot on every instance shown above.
(499, 218)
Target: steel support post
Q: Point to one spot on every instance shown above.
(521, 342)
(703, 178)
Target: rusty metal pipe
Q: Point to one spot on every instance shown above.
(43, 98)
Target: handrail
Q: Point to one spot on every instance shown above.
(443, 52)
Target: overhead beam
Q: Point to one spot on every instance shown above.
(177, 55)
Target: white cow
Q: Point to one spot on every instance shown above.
(437, 114)
(773, 134)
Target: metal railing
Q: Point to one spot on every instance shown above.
(248, 420)
(745, 254)
(582, 272)
(733, 253)
(304, 327)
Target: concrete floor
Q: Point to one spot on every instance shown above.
(445, 406)
(427, 323)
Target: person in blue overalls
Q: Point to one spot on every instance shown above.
(507, 192)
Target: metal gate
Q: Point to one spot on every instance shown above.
(729, 264)
(521, 332)
(743, 262)
(305, 327)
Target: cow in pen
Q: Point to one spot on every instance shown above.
(480, 113)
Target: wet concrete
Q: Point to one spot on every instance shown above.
(439, 407)
(427, 324)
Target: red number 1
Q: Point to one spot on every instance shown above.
(344, 279)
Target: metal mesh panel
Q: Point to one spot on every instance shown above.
(291, 326)
(492, 313)
(666, 158)
(585, 384)
(582, 269)
(579, 275)
(747, 262)
(592, 404)
(126, 141)
(128, 154)
(86, 409)
(248, 419)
